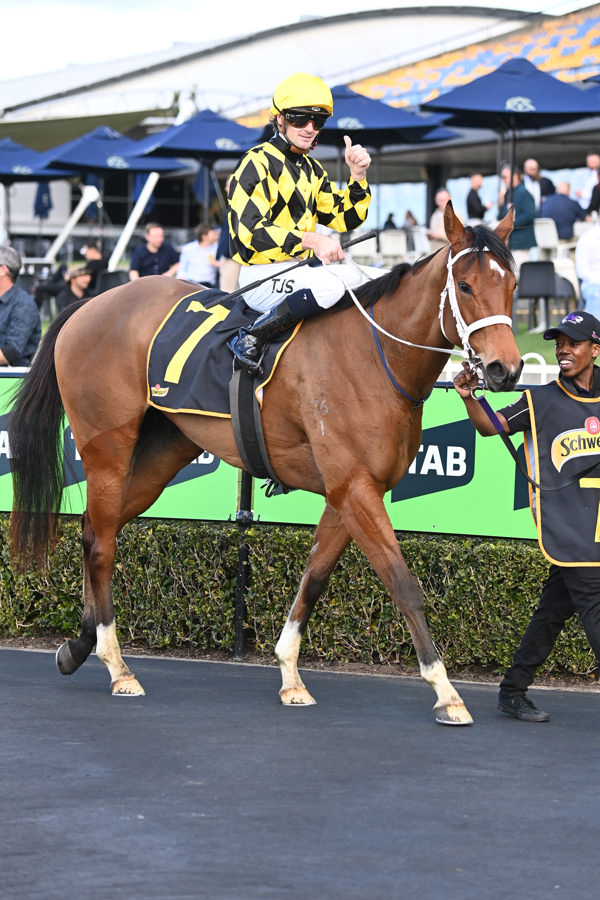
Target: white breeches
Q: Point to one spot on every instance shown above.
(328, 283)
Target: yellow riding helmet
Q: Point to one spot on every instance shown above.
(302, 90)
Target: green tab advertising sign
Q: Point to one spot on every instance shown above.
(459, 482)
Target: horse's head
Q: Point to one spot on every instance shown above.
(478, 298)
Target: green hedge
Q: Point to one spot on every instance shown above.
(175, 584)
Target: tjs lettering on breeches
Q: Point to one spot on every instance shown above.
(314, 288)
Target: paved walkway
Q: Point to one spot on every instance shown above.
(208, 788)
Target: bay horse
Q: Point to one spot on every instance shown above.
(341, 418)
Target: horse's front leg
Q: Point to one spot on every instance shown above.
(368, 522)
(331, 539)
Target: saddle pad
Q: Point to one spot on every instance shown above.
(189, 362)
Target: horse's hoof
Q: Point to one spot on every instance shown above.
(296, 697)
(64, 661)
(453, 714)
(127, 686)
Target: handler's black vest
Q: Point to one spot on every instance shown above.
(563, 444)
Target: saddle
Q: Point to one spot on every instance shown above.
(190, 369)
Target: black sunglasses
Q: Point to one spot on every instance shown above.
(300, 119)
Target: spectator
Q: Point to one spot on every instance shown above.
(78, 281)
(229, 269)
(156, 257)
(476, 208)
(522, 237)
(538, 185)
(20, 325)
(587, 264)
(436, 233)
(198, 261)
(389, 223)
(95, 262)
(594, 207)
(564, 210)
(50, 286)
(590, 180)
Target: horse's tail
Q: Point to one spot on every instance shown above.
(35, 437)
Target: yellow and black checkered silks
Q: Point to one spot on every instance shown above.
(275, 195)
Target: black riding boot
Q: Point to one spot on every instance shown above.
(249, 344)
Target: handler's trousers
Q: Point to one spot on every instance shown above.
(567, 590)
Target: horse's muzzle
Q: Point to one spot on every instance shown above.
(498, 378)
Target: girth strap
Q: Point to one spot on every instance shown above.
(248, 431)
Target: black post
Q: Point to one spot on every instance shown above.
(244, 518)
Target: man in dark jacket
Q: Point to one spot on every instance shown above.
(20, 325)
(563, 210)
(522, 238)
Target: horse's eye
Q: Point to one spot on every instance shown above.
(464, 287)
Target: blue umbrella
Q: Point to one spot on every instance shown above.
(19, 163)
(376, 124)
(42, 203)
(514, 97)
(105, 150)
(206, 137)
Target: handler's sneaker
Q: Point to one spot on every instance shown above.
(519, 706)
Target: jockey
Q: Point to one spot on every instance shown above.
(278, 196)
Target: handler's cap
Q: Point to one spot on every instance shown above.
(578, 325)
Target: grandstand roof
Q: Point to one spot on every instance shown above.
(401, 56)
(236, 77)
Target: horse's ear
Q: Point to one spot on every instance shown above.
(505, 226)
(453, 227)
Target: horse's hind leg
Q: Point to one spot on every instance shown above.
(94, 632)
(119, 487)
(74, 652)
(331, 539)
(160, 453)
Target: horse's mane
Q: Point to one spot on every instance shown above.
(480, 238)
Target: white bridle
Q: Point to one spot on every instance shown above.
(463, 330)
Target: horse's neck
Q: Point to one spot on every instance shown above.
(412, 316)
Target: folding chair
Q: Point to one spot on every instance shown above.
(538, 284)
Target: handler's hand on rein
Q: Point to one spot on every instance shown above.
(357, 159)
(465, 380)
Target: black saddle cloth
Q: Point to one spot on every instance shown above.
(189, 362)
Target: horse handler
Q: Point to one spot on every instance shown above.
(278, 196)
(561, 421)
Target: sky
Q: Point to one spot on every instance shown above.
(42, 36)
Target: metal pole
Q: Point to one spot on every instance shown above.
(244, 518)
(132, 221)
(89, 194)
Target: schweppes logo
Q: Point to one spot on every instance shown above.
(575, 444)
